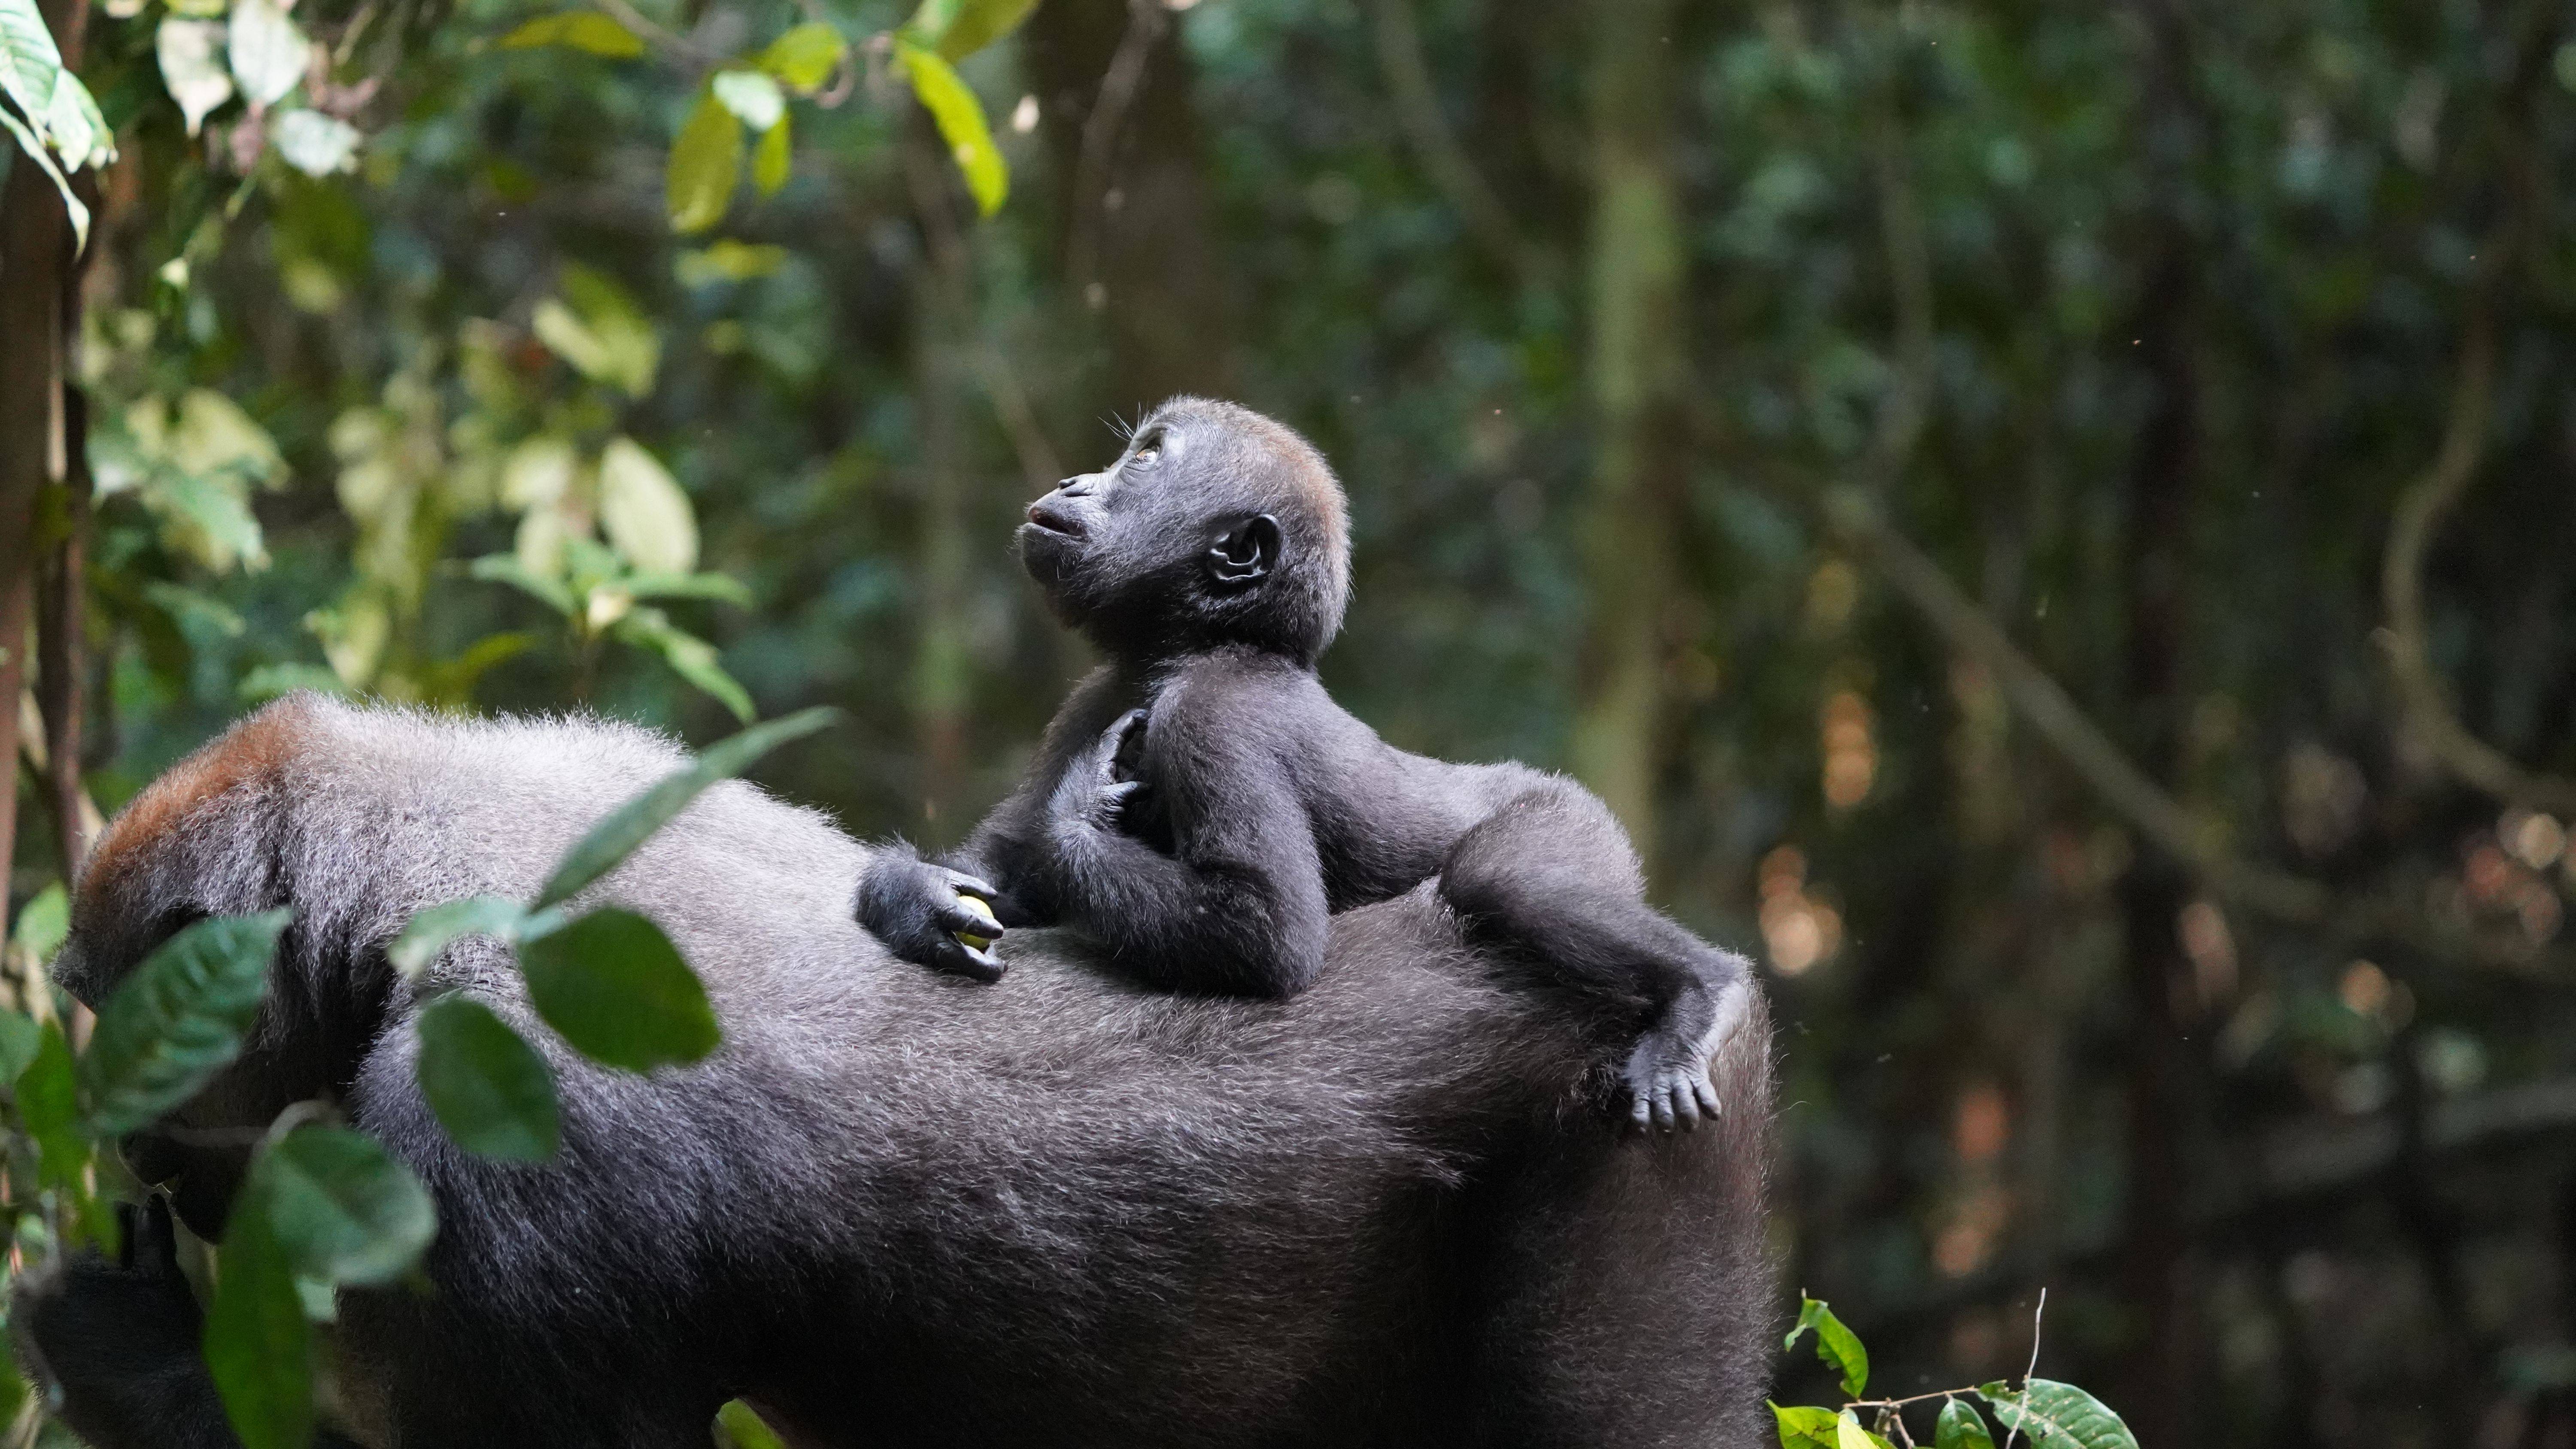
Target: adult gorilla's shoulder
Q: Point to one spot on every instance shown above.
(895, 1208)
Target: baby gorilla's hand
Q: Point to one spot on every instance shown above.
(116, 1337)
(1668, 1082)
(931, 916)
(1100, 787)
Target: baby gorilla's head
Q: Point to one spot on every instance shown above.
(1215, 526)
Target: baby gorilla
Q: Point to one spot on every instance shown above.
(1200, 806)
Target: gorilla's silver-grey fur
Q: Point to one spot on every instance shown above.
(895, 1209)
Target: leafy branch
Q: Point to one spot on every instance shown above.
(2054, 1415)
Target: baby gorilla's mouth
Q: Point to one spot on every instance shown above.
(1054, 519)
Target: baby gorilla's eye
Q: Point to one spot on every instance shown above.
(1148, 454)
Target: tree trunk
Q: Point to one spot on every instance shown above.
(35, 270)
(1637, 367)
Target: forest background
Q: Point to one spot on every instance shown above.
(2050, 523)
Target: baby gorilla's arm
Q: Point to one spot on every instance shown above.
(1237, 908)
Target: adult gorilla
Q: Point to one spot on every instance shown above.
(893, 1209)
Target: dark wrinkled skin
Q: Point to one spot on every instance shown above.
(1201, 806)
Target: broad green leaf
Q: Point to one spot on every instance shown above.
(1838, 1346)
(2058, 1416)
(29, 60)
(1805, 1428)
(961, 124)
(314, 143)
(805, 57)
(190, 70)
(1961, 1427)
(258, 1342)
(341, 1207)
(617, 990)
(582, 30)
(35, 151)
(752, 96)
(771, 159)
(177, 1020)
(502, 568)
(742, 1428)
(80, 133)
(1848, 1434)
(642, 510)
(606, 340)
(432, 931)
(42, 923)
(538, 472)
(706, 162)
(49, 1108)
(959, 28)
(21, 1037)
(491, 1090)
(690, 657)
(626, 827)
(266, 50)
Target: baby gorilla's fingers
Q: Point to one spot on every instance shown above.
(972, 885)
(1706, 1092)
(972, 962)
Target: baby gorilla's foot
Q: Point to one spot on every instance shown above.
(1668, 1081)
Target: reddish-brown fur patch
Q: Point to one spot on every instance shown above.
(255, 747)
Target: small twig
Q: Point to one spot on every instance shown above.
(1417, 109)
(680, 46)
(2013, 1436)
(1118, 88)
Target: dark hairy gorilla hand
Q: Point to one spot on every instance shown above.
(894, 1209)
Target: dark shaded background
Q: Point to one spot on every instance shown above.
(2052, 524)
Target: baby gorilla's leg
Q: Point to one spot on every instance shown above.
(1549, 877)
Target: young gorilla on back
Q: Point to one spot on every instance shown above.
(1200, 806)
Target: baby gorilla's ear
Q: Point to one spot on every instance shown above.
(1245, 553)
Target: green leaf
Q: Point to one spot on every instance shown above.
(314, 143)
(502, 568)
(582, 30)
(690, 657)
(258, 1342)
(266, 51)
(44, 160)
(959, 28)
(1848, 1434)
(722, 588)
(1805, 1428)
(341, 1207)
(49, 1108)
(805, 57)
(29, 60)
(616, 988)
(2058, 1416)
(190, 70)
(491, 1090)
(42, 923)
(961, 124)
(626, 827)
(177, 1020)
(1838, 1346)
(706, 162)
(21, 1037)
(727, 260)
(430, 932)
(642, 510)
(751, 95)
(771, 159)
(1961, 1427)
(741, 1428)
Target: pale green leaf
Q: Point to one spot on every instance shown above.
(727, 260)
(21, 1037)
(630, 824)
(35, 150)
(537, 472)
(706, 162)
(313, 143)
(492, 1092)
(502, 568)
(1837, 1345)
(1848, 1434)
(177, 1020)
(805, 57)
(959, 28)
(752, 96)
(341, 1207)
(1804, 1428)
(641, 508)
(266, 50)
(430, 932)
(80, 133)
(582, 30)
(43, 922)
(690, 657)
(771, 158)
(961, 124)
(617, 990)
(190, 69)
(258, 1343)
(29, 60)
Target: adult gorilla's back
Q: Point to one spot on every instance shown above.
(895, 1209)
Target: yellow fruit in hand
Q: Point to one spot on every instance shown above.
(976, 905)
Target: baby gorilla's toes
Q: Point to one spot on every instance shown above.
(1668, 1085)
